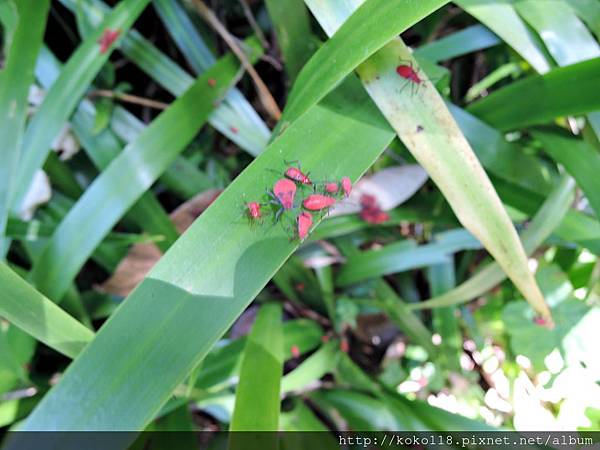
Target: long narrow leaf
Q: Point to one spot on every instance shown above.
(570, 90)
(66, 93)
(15, 79)
(116, 190)
(543, 224)
(168, 324)
(22, 305)
(426, 127)
(260, 375)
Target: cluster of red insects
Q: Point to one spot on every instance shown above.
(323, 196)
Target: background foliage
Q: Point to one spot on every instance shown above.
(124, 305)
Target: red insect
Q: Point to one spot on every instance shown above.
(346, 186)
(293, 173)
(295, 351)
(305, 221)
(283, 194)
(332, 188)
(317, 202)
(234, 130)
(344, 345)
(371, 212)
(409, 73)
(107, 39)
(374, 215)
(254, 210)
(212, 82)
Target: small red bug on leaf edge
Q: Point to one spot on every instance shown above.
(305, 221)
(107, 39)
(317, 202)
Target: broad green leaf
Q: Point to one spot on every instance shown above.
(118, 187)
(169, 323)
(15, 78)
(405, 255)
(545, 221)
(570, 90)
(428, 130)
(260, 374)
(579, 158)
(294, 36)
(353, 43)
(501, 17)
(23, 306)
(471, 39)
(66, 92)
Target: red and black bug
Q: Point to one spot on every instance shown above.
(305, 221)
(107, 39)
(346, 186)
(294, 173)
(283, 194)
(254, 210)
(409, 73)
(371, 212)
(332, 187)
(318, 202)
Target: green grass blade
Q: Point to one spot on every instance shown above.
(543, 224)
(570, 90)
(234, 112)
(102, 148)
(168, 324)
(566, 38)
(353, 43)
(471, 39)
(313, 368)
(125, 180)
(428, 130)
(29, 310)
(501, 17)
(66, 92)
(589, 12)
(15, 79)
(260, 374)
(579, 158)
(295, 38)
(405, 255)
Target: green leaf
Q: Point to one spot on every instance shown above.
(579, 158)
(471, 39)
(566, 38)
(294, 36)
(570, 90)
(405, 255)
(66, 92)
(172, 319)
(501, 17)
(545, 221)
(118, 187)
(23, 306)
(15, 79)
(260, 375)
(313, 368)
(428, 130)
(353, 42)
(234, 112)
